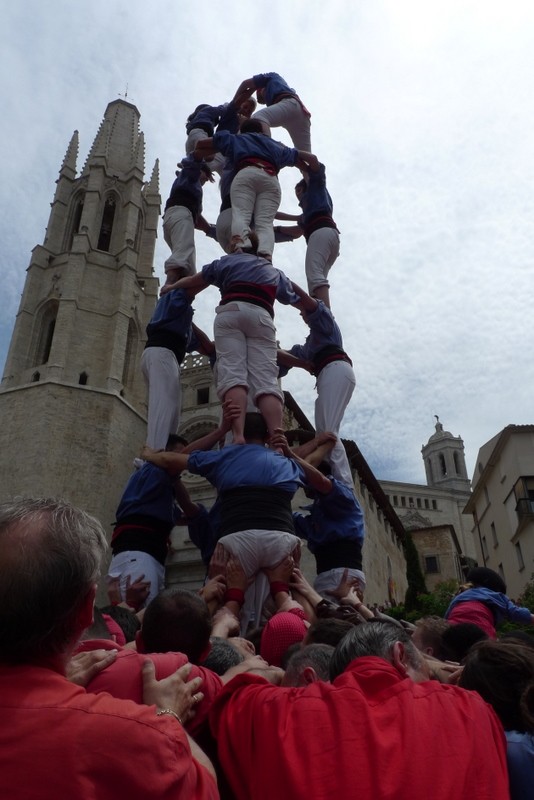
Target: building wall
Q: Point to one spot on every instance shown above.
(437, 546)
(438, 506)
(505, 538)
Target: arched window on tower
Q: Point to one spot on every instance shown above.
(106, 228)
(139, 231)
(45, 327)
(442, 465)
(429, 467)
(457, 465)
(76, 218)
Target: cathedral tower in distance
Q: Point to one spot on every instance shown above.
(72, 399)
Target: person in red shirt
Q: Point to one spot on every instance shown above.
(380, 729)
(56, 740)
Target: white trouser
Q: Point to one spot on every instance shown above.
(162, 375)
(245, 340)
(133, 564)
(255, 192)
(288, 114)
(321, 252)
(335, 386)
(179, 233)
(223, 230)
(255, 550)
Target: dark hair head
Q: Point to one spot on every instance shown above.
(255, 427)
(126, 619)
(50, 555)
(175, 439)
(503, 674)
(178, 621)
(374, 638)
(328, 631)
(458, 639)
(251, 126)
(222, 656)
(317, 656)
(488, 578)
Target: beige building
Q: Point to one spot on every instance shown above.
(72, 398)
(502, 506)
(434, 513)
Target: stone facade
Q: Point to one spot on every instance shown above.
(438, 507)
(502, 506)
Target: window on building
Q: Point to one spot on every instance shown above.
(430, 472)
(411, 502)
(524, 495)
(76, 219)
(494, 535)
(519, 555)
(434, 505)
(485, 549)
(431, 565)
(36, 377)
(418, 502)
(427, 502)
(403, 501)
(84, 377)
(203, 396)
(106, 227)
(46, 327)
(395, 500)
(442, 465)
(457, 466)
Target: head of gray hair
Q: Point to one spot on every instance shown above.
(317, 656)
(50, 557)
(374, 638)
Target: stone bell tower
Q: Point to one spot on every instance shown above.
(72, 400)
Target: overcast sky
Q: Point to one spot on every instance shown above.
(422, 112)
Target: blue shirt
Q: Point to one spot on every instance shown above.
(173, 315)
(255, 145)
(499, 603)
(274, 85)
(188, 183)
(149, 493)
(324, 332)
(333, 516)
(243, 267)
(316, 200)
(246, 465)
(207, 116)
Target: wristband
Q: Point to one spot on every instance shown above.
(237, 595)
(279, 586)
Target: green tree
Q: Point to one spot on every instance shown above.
(414, 573)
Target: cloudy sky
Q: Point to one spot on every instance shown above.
(422, 112)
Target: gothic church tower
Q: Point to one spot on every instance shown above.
(72, 399)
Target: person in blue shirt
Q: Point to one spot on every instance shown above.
(283, 107)
(244, 331)
(255, 189)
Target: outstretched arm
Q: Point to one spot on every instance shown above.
(173, 463)
(285, 359)
(194, 283)
(317, 449)
(315, 479)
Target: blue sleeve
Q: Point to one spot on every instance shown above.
(518, 614)
(210, 272)
(224, 143)
(300, 351)
(284, 291)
